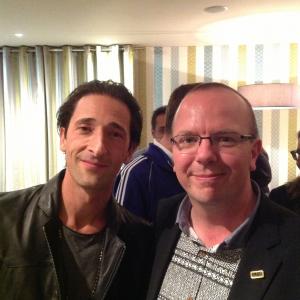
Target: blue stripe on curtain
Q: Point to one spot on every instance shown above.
(208, 64)
(259, 121)
(275, 147)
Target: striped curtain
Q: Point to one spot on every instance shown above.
(158, 70)
(33, 84)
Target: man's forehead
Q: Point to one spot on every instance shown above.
(98, 107)
(208, 98)
(217, 91)
(160, 118)
(220, 104)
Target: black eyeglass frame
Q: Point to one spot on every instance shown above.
(243, 137)
(294, 154)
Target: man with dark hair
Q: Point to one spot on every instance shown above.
(288, 194)
(158, 123)
(224, 239)
(149, 177)
(68, 238)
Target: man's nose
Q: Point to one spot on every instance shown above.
(98, 144)
(206, 152)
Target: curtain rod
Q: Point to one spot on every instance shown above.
(74, 48)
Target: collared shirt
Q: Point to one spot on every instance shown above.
(183, 221)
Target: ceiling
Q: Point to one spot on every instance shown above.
(147, 22)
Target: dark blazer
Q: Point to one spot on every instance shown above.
(272, 245)
(281, 196)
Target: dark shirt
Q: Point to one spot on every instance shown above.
(82, 257)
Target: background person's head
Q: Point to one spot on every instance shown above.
(296, 153)
(115, 90)
(174, 101)
(158, 122)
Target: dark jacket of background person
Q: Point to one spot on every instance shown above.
(30, 260)
(263, 173)
(272, 245)
(145, 180)
(288, 195)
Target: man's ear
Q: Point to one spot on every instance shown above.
(152, 132)
(62, 139)
(255, 151)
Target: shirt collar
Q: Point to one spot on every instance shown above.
(183, 221)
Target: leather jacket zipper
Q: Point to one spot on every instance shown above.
(55, 271)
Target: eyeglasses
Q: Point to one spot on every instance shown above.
(188, 144)
(295, 154)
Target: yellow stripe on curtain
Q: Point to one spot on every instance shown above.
(191, 64)
(242, 67)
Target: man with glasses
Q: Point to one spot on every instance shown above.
(223, 239)
(150, 176)
(296, 153)
(288, 194)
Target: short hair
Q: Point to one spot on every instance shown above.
(298, 134)
(174, 101)
(110, 88)
(159, 111)
(212, 85)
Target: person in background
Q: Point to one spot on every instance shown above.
(150, 177)
(288, 195)
(224, 239)
(262, 174)
(68, 238)
(158, 121)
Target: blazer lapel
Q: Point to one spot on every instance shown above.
(260, 261)
(164, 251)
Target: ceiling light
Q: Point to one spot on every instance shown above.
(215, 9)
(19, 35)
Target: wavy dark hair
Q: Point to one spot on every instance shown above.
(159, 111)
(113, 89)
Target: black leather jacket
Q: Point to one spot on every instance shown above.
(30, 260)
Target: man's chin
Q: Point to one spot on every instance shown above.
(205, 195)
(92, 183)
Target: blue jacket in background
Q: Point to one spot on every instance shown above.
(145, 180)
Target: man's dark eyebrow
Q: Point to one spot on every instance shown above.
(90, 121)
(117, 126)
(85, 121)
